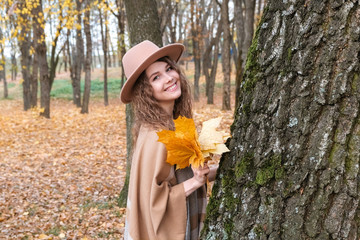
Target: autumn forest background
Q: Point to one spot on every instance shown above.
(62, 125)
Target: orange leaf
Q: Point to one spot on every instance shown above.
(182, 144)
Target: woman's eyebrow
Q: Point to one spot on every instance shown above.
(154, 73)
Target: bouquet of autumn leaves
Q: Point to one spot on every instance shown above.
(185, 147)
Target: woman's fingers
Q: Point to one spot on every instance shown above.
(201, 173)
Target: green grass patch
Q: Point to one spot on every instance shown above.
(11, 85)
(63, 88)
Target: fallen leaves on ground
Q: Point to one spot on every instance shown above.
(60, 177)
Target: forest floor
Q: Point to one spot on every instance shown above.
(60, 177)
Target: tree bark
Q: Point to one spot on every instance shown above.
(248, 27)
(238, 78)
(88, 60)
(240, 61)
(3, 74)
(226, 105)
(144, 24)
(195, 36)
(34, 81)
(121, 24)
(104, 39)
(2, 66)
(35, 68)
(293, 167)
(45, 84)
(24, 46)
(13, 65)
(78, 59)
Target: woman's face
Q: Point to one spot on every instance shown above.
(165, 82)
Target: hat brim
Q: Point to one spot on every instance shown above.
(173, 51)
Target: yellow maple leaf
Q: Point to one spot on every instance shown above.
(182, 144)
(211, 140)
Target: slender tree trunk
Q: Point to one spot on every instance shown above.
(13, 66)
(226, 105)
(238, 78)
(293, 167)
(210, 99)
(196, 48)
(78, 59)
(13, 59)
(122, 40)
(24, 46)
(34, 81)
(40, 49)
(35, 70)
(88, 60)
(2, 66)
(104, 39)
(248, 27)
(3, 74)
(65, 57)
(239, 23)
(241, 58)
(140, 29)
(6, 92)
(122, 45)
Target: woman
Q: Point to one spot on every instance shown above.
(162, 203)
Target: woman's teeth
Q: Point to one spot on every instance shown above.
(172, 88)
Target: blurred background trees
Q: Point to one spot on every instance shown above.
(44, 37)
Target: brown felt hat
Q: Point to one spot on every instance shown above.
(139, 57)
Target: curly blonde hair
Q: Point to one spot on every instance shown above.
(147, 109)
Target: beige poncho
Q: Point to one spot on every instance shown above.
(157, 207)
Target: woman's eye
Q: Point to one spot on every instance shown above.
(169, 69)
(155, 78)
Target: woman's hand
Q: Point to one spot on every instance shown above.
(199, 179)
(200, 174)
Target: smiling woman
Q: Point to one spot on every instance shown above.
(163, 203)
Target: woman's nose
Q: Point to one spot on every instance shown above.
(169, 78)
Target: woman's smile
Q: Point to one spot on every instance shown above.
(172, 88)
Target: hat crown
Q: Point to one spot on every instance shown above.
(137, 55)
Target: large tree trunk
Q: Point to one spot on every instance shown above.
(140, 28)
(88, 60)
(226, 105)
(293, 168)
